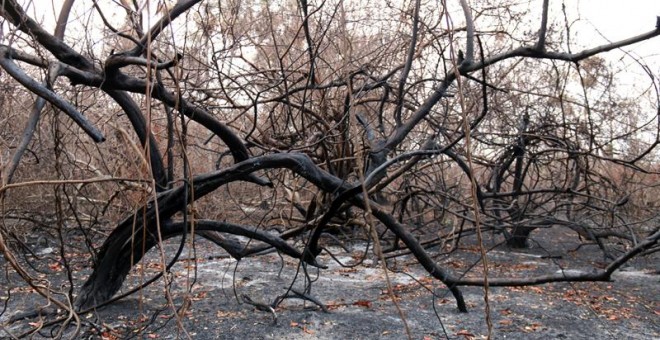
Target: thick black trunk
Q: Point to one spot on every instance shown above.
(127, 240)
(519, 238)
(129, 249)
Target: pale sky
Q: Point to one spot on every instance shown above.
(600, 21)
(619, 19)
(616, 20)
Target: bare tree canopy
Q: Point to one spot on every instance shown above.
(417, 128)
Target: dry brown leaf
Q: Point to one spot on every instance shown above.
(363, 303)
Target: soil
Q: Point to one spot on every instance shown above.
(357, 300)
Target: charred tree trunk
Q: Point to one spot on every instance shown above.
(140, 229)
(519, 237)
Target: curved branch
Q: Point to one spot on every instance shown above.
(139, 124)
(117, 61)
(469, 24)
(195, 113)
(114, 262)
(28, 132)
(400, 133)
(532, 52)
(40, 90)
(209, 229)
(110, 27)
(540, 45)
(569, 275)
(16, 15)
(111, 269)
(409, 60)
(247, 231)
(38, 106)
(63, 18)
(181, 7)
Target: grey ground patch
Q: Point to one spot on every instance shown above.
(360, 307)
